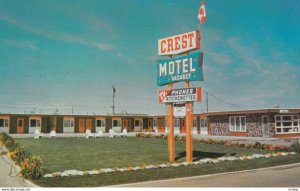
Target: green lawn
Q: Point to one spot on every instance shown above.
(86, 154)
(164, 173)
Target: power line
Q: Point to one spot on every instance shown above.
(222, 100)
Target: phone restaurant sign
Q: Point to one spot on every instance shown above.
(184, 68)
(179, 95)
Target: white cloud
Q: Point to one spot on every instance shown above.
(24, 44)
(59, 36)
(246, 75)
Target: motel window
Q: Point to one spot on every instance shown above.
(176, 122)
(4, 122)
(203, 123)
(100, 123)
(195, 122)
(68, 122)
(34, 123)
(154, 122)
(138, 123)
(116, 123)
(237, 123)
(141, 123)
(287, 124)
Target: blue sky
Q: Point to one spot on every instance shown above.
(55, 54)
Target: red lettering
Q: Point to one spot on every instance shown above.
(177, 40)
(162, 46)
(170, 44)
(184, 41)
(191, 36)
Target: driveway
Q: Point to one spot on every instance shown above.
(281, 176)
(9, 174)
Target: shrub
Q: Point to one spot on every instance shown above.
(150, 129)
(257, 145)
(271, 148)
(176, 137)
(31, 166)
(295, 147)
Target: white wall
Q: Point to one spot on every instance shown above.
(176, 130)
(117, 129)
(68, 130)
(100, 128)
(4, 130)
(203, 131)
(32, 129)
(194, 131)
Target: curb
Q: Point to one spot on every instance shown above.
(16, 170)
(208, 175)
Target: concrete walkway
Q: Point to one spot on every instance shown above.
(9, 173)
(245, 140)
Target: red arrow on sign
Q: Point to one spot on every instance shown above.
(162, 94)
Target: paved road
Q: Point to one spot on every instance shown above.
(8, 174)
(284, 176)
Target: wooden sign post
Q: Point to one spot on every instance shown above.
(188, 121)
(171, 142)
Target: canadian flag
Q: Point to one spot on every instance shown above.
(202, 13)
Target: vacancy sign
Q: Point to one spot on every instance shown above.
(184, 68)
(178, 44)
(180, 95)
(179, 110)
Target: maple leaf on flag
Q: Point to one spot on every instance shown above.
(202, 13)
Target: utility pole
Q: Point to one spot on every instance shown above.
(207, 102)
(113, 106)
(72, 108)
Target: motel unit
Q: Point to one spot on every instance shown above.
(247, 123)
(28, 123)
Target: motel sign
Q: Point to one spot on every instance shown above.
(185, 68)
(180, 69)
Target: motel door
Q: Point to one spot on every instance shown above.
(20, 125)
(81, 125)
(150, 123)
(161, 125)
(88, 124)
(265, 120)
(182, 126)
(126, 124)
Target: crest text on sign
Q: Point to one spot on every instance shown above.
(178, 44)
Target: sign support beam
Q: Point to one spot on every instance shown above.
(171, 142)
(189, 138)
